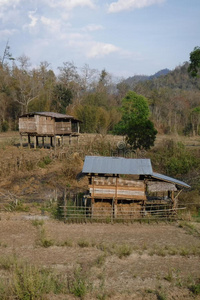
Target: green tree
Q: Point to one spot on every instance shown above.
(135, 124)
(62, 97)
(195, 120)
(88, 115)
(141, 134)
(194, 66)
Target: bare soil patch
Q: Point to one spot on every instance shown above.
(151, 269)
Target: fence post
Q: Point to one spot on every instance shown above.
(65, 204)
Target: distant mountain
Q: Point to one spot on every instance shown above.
(178, 79)
(134, 80)
(160, 73)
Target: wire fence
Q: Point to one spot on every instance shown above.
(115, 214)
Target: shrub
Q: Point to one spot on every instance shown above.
(4, 126)
(37, 222)
(44, 162)
(78, 285)
(29, 282)
(195, 288)
(83, 243)
(123, 251)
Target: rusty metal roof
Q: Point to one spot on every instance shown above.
(50, 114)
(117, 165)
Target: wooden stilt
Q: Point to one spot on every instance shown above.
(43, 142)
(21, 141)
(35, 142)
(51, 141)
(29, 141)
(54, 141)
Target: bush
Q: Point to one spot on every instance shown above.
(4, 126)
(44, 162)
(78, 286)
(173, 159)
(124, 251)
(29, 282)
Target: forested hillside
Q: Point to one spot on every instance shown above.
(134, 80)
(95, 97)
(174, 101)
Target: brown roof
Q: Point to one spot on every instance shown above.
(50, 114)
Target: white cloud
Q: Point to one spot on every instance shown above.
(101, 50)
(121, 5)
(93, 27)
(70, 4)
(33, 18)
(6, 33)
(4, 3)
(53, 25)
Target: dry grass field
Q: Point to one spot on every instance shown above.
(43, 258)
(121, 261)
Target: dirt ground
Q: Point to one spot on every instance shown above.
(156, 261)
(163, 262)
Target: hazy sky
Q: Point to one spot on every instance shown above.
(126, 37)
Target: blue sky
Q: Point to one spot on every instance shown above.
(126, 37)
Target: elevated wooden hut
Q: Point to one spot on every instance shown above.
(128, 188)
(47, 124)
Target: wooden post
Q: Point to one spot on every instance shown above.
(35, 142)
(70, 139)
(92, 196)
(62, 140)
(21, 140)
(51, 141)
(29, 141)
(43, 142)
(115, 204)
(112, 210)
(54, 142)
(65, 204)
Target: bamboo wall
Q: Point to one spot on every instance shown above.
(27, 125)
(44, 125)
(116, 197)
(63, 127)
(114, 187)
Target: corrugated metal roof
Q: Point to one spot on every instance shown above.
(126, 166)
(169, 179)
(117, 165)
(50, 114)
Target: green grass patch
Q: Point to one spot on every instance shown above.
(37, 223)
(27, 281)
(78, 284)
(83, 243)
(124, 250)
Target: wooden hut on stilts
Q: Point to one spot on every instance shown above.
(48, 125)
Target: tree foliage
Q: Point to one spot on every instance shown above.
(135, 124)
(61, 98)
(173, 99)
(194, 66)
